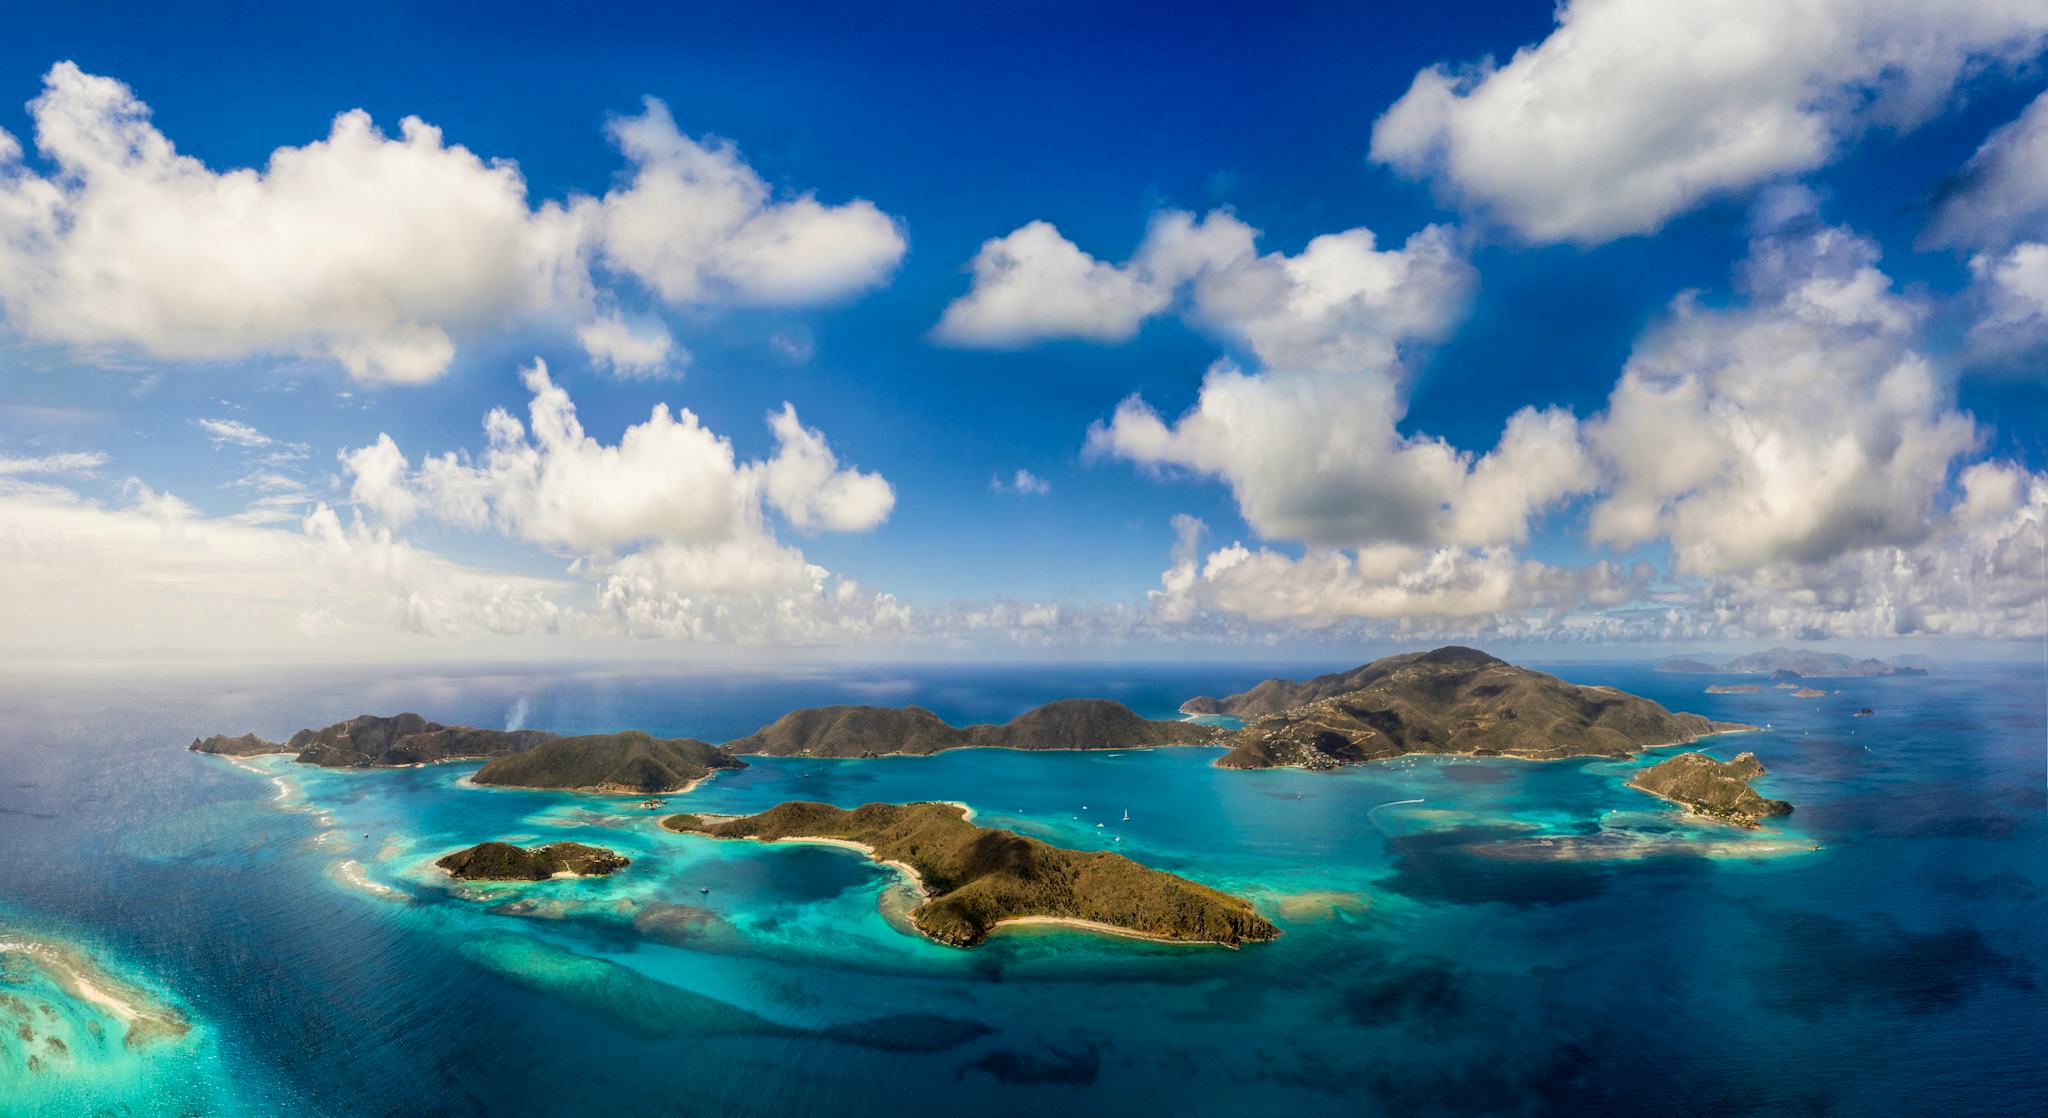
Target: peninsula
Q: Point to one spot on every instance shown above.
(1453, 700)
(502, 861)
(1716, 789)
(630, 762)
(977, 879)
(868, 731)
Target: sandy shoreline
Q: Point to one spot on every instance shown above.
(1106, 929)
(908, 870)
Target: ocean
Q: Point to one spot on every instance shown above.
(1461, 936)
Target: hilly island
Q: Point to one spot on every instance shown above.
(1715, 789)
(976, 879)
(1452, 700)
(868, 731)
(629, 761)
(502, 861)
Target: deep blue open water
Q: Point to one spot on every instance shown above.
(1529, 938)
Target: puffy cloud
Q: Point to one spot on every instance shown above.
(378, 474)
(698, 225)
(1633, 111)
(1318, 458)
(669, 523)
(1977, 573)
(1309, 442)
(1798, 427)
(634, 350)
(1387, 582)
(360, 247)
(1034, 284)
(1022, 482)
(379, 252)
(1341, 304)
(806, 483)
(747, 589)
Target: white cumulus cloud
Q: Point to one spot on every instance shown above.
(1799, 426)
(1341, 304)
(1633, 111)
(381, 252)
(671, 525)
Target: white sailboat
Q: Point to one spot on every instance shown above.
(1127, 815)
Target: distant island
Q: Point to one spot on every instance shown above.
(1733, 689)
(869, 731)
(1696, 667)
(977, 879)
(1716, 789)
(1452, 700)
(629, 762)
(1789, 663)
(371, 741)
(502, 861)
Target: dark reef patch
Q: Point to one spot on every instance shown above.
(1056, 1067)
(1820, 962)
(1441, 866)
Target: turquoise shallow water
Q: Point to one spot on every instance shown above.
(1531, 938)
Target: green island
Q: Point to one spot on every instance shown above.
(1452, 700)
(1715, 789)
(375, 741)
(630, 762)
(977, 879)
(502, 861)
(869, 731)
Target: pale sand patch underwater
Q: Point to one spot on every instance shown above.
(352, 872)
(142, 1017)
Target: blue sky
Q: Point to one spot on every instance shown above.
(956, 124)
